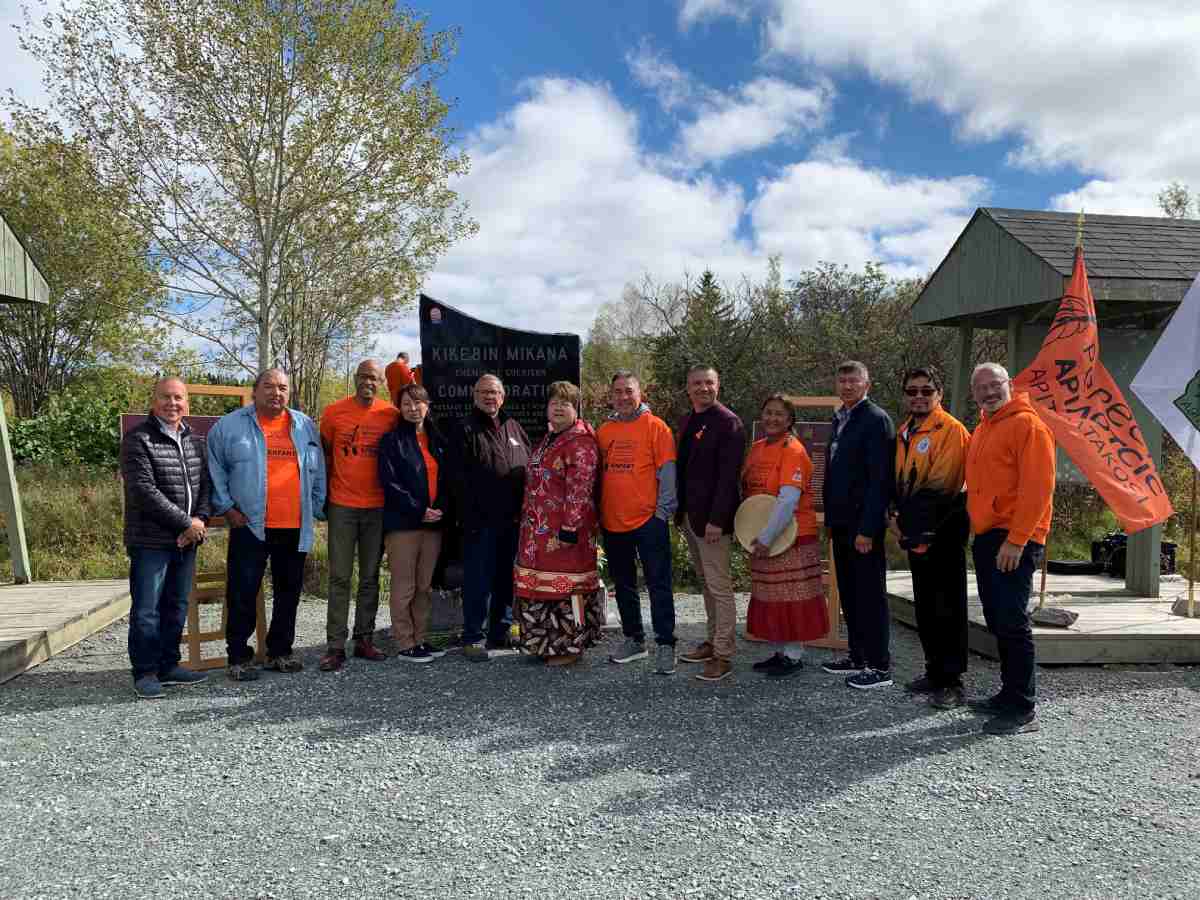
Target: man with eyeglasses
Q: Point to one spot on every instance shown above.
(857, 490)
(1010, 499)
(351, 430)
(929, 518)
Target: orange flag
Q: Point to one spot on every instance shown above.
(1083, 407)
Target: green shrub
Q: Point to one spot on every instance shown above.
(79, 428)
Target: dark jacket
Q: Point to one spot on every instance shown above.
(156, 476)
(859, 477)
(404, 478)
(709, 481)
(487, 460)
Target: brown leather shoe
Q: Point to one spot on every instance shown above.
(333, 660)
(364, 649)
(716, 669)
(565, 659)
(698, 654)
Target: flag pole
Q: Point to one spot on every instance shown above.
(1192, 554)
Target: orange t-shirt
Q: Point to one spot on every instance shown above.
(431, 466)
(398, 374)
(351, 433)
(631, 454)
(283, 472)
(783, 463)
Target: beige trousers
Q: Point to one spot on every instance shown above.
(711, 562)
(412, 556)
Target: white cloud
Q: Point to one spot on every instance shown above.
(19, 71)
(671, 84)
(759, 114)
(692, 12)
(1130, 197)
(1108, 87)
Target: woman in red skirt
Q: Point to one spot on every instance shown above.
(787, 601)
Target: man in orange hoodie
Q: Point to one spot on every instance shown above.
(1010, 495)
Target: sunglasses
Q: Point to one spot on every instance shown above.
(923, 391)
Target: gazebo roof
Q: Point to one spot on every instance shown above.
(21, 281)
(1016, 260)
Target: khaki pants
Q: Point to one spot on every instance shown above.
(711, 562)
(412, 556)
(353, 534)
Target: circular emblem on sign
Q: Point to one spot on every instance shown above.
(435, 315)
(923, 445)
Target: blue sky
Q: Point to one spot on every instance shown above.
(616, 141)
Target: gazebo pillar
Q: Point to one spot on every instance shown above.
(961, 386)
(10, 506)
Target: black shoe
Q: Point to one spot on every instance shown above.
(990, 706)
(947, 697)
(869, 680)
(786, 666)
(435, 652)
(766, 665)
(843, 666)
(921, 685)
(1011, 723)
(416, 654)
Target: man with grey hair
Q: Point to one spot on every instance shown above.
(268, 477)
(166, 515)
(857, 490)
(487, 456)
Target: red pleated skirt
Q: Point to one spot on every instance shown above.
(787, 600)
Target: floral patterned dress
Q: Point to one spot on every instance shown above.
(555, 582)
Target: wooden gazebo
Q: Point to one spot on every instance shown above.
(1007, 271)
(20, 282)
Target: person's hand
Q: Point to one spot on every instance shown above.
(432, 515)
(234, 517)
(759, 551)
(919, 549)
(1008, 557)
(712, 533)
(193, 534)
(863, 544)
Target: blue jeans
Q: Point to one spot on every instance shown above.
(651, 541)
(488, 556)
(1005, 600)
(160, 582)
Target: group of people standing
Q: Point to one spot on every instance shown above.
(531, 519)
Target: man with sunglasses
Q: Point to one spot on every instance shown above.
(350, 433)
(929, 518)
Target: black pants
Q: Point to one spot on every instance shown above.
(862, 587)
(245, 566)
(940, 597)
(652, 543)
(1005, 599)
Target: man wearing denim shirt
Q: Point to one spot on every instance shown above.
(268, 478)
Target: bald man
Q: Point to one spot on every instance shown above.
(166, 512)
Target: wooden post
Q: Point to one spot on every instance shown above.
(961, 386)
(10, 506)
(1045, 558)
(1192, 554)
(1014, 339)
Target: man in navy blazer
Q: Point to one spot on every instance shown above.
(858, 485)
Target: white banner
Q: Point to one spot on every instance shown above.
(1169, 381)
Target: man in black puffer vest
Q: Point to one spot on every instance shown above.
(166, 513)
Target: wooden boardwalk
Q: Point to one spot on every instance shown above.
(1114, 626)
(39, 620)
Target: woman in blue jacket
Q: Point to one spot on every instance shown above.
(413, 473)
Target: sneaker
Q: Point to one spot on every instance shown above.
(869, 679)
(476, 652)
(630, 650)
(148, 687)
(715, 669)
(947, 698)
(766, 665)
(288, 664)
(664, 659)
(333, 660)
(992, 705)
(701, 653)
(364, 648)
(435, 652)
(247, 671)
(1012, 723)
(181, 676)
(417, 654)
(787, 666)
(457, 643)
(843, 666)
(921, 685)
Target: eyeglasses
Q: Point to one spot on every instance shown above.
(923, 391)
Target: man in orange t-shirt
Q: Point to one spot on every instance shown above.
(399, 374)
(637, 500)
(350, 433)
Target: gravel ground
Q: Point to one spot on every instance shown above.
(510, 780)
